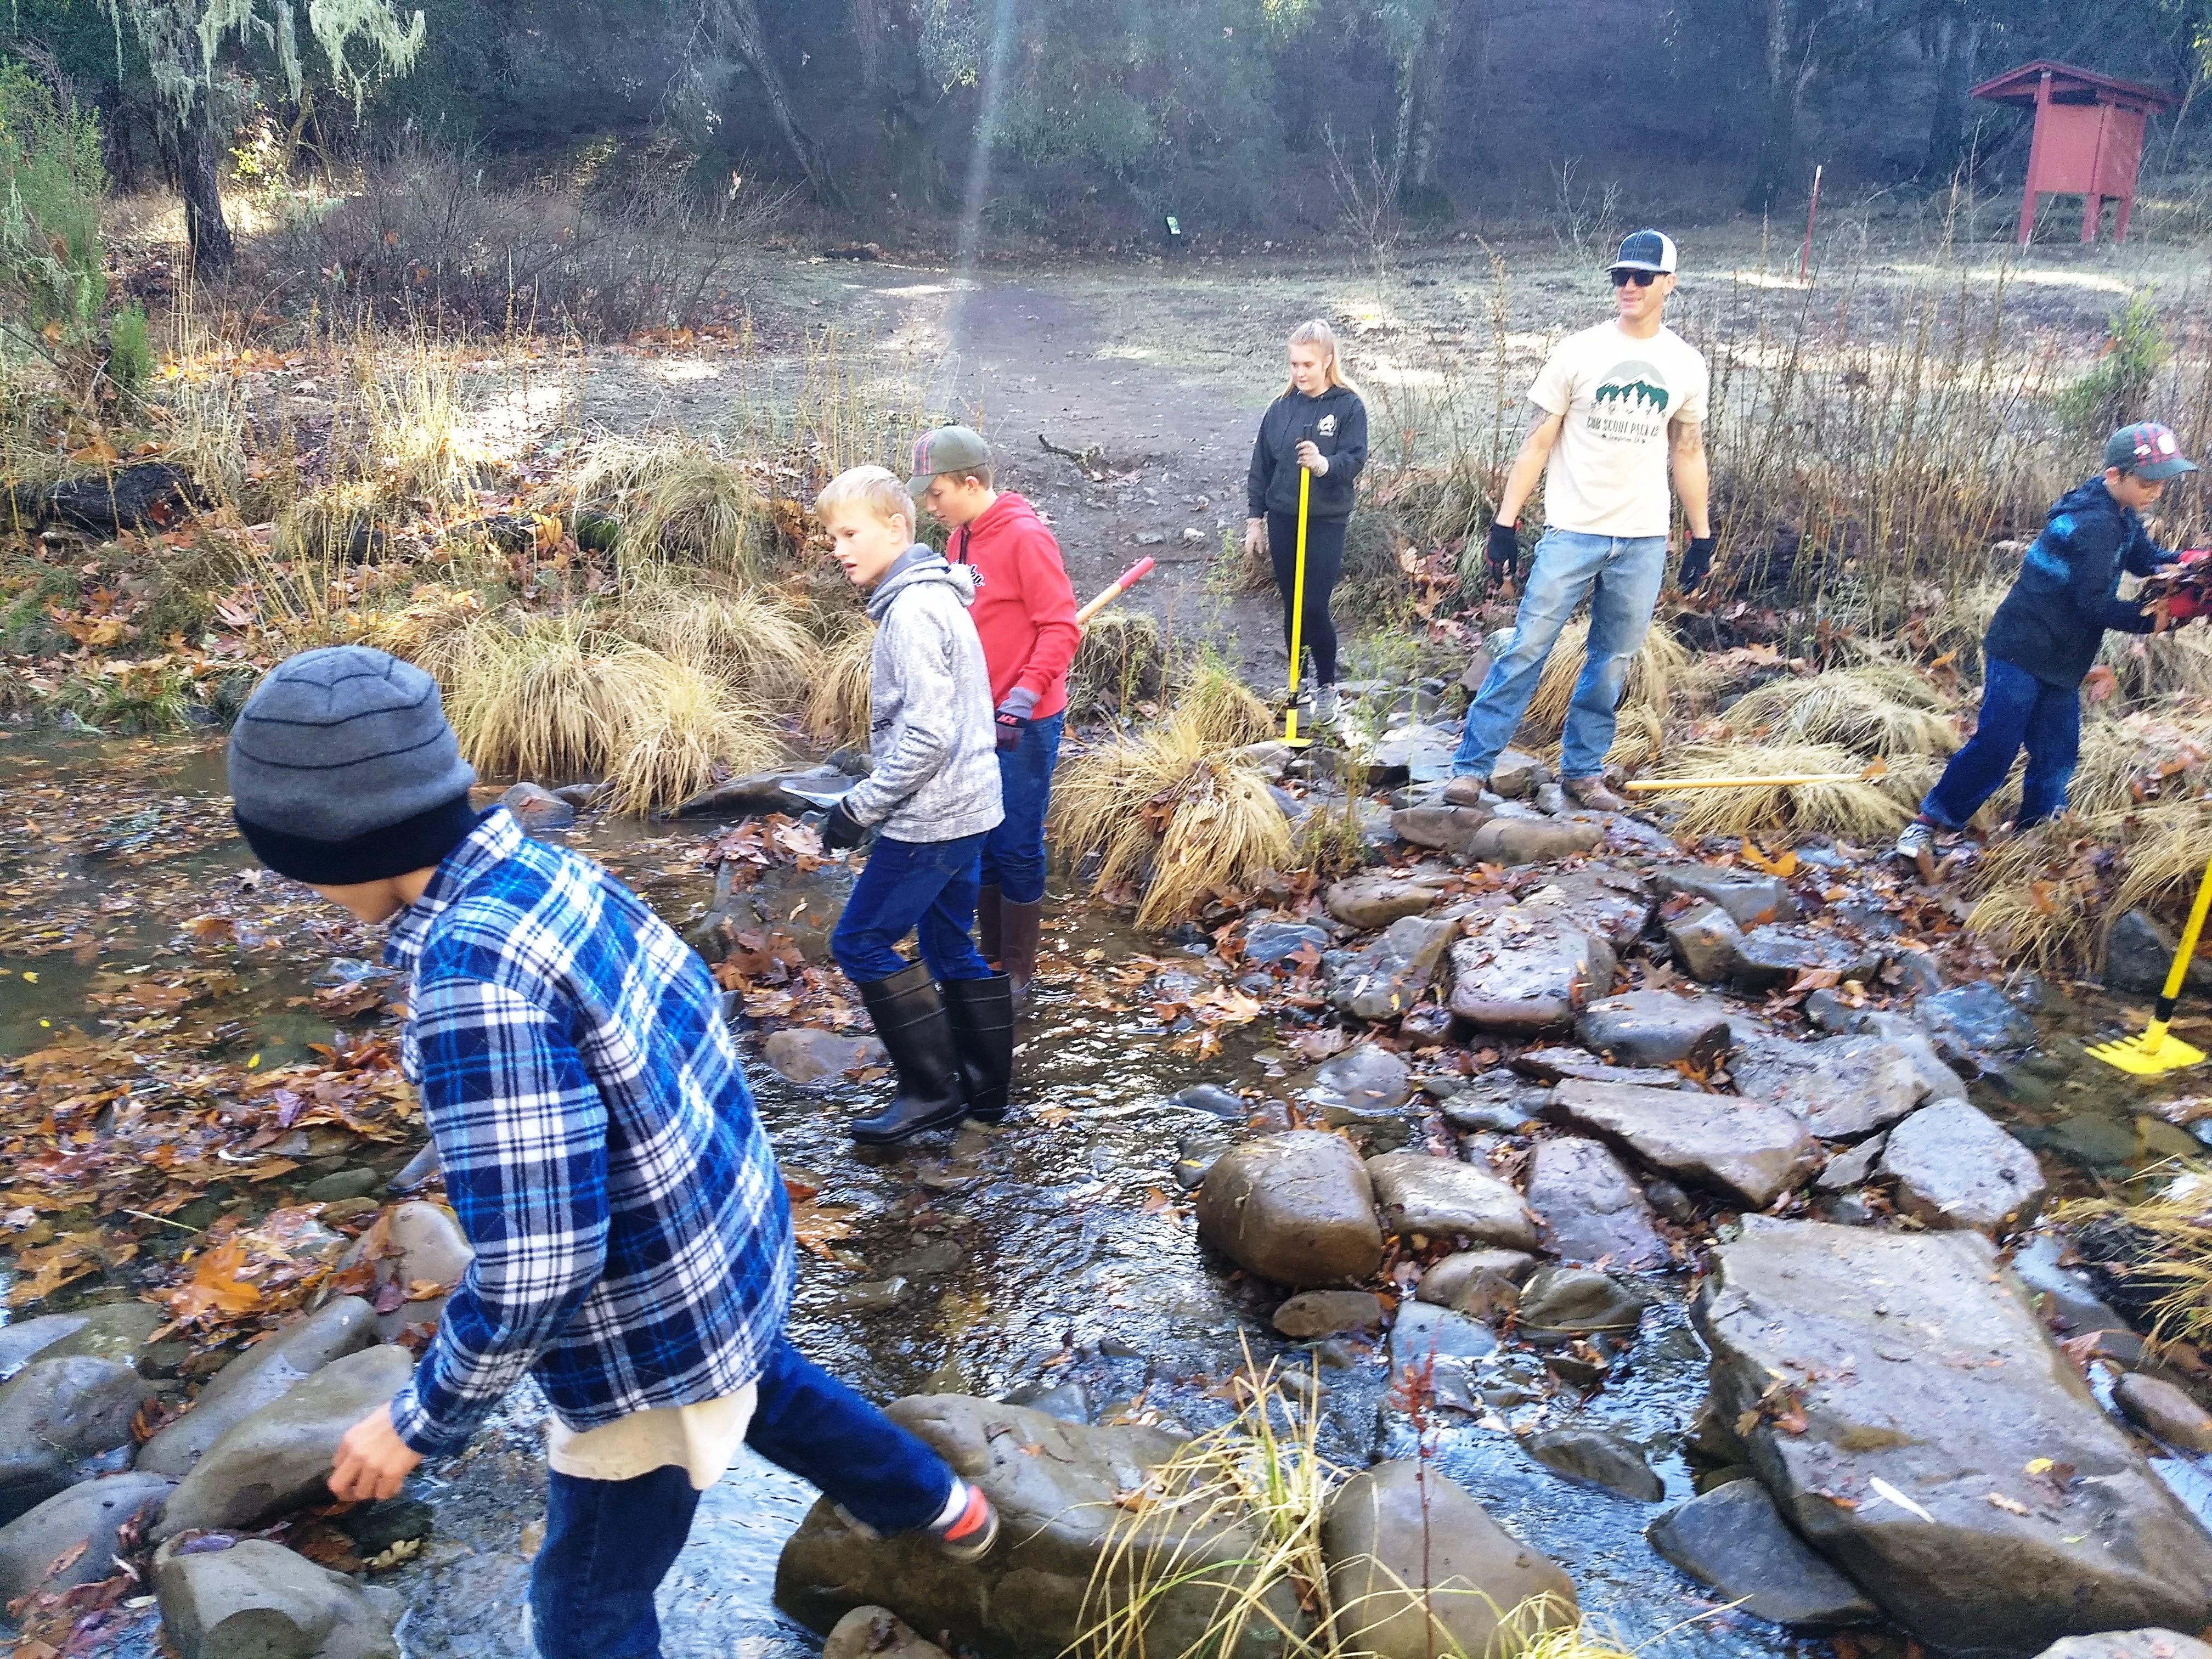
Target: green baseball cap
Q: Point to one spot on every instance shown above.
(944, 449)
(2148, 450)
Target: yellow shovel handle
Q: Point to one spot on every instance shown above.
(1298, 608)
(2183, 956)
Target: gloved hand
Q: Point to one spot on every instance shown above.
(1255, 537)
(1697, 561)
(1503, 552)
(1311, 458)
(841, 830)
(1009, 726)
(2183, 607)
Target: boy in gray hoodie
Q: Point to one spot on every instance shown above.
(946, 1020)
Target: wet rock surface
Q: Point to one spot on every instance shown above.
(1483, 1285)
(1296, 1208)
(804, 1055)
(257, 1599)
(1599, 1457)
(1444, 1198)
(75, 1528)
(261, 1375)
(1435, 1353)
(1954, 1167)
(1384, 978)
(1706, 943)
(1840, 1089)
(1745, 1147)
(1558, 1303)
(56, 1411)
(1527, 973)
(1324, 1313)
(1907, 1358)
(2129, 1644)
(1376, 901)
(1655, 1028)
(1748, 897)
(876, 1634)
(2159, 1409)
(1591, 1207)
(1734, 1539)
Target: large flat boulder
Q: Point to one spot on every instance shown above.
(1955, 1167)
(1854, 1356)
(1748, 1148)
(2129, 1644)
(1057, 1487)
(1376, 901)
(261, 1375)
(75, 1528)
(257, 1600)
(1417, 1568)
(1388, 974)
(1527, 971)
(1609, 900)
(1445, 1198)
(1840, 1088)
(1591, 1209)
(54, 1412)
(1733, 1540)
(1296, 1207)
(1655, 1028)
(1750, 897)
(1773, 954)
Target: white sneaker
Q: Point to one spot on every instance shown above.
(1917, 842)
(1324, 705)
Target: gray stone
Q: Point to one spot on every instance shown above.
(1854, 1355)
(2129, 1644)
(1591, 1207)
(2062, 1295)
(1324, 1313)
(1533, 841)
(270, 1463)
(2139, 953)
(1444, 1198)
(1367, 1078)
(1735, 1540)
(415, 1243)
(1943, 1083)
(114, 1330)
(56, 1411)
(784, 789)
(1365, 901)
(1499, 1101)
(876, 1634)
(1388, 975)
(1437, 1350)
(1055, 1486)
(1527, 973)
(870, 1296)
(1707, 942)
(1413, 752)
(375, 1527)
(1656, 1028)
(262, 1375)
(1560, 1304)
(1750, 897)
(1442, 828)
(1211, 1098)
(259, 1601)
(1266, 943)
(1597, 1457)
(805, 1055)
(1296, 1208)
(1515, 775)
(1773, 954)
(88, 1515)
(1954, 1167)
(1968, 1021)
(1483, 1285)
(1851, 1166)
(23, 1341)
(1840, 1088)
(1558, 1065)
(340, 1185)
(2159, 1409)
(1418, 1568)
(537, 809)
(1749, 1149)
(1609, 900)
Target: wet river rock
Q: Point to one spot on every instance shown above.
(1440, 827)
(1483, 1285)
(1734, 1539)
(1528, 972)
(1387, 975)
(1296, 1208)
(262, 1375)
(1324, 1313)
(1591, 1207)
(1749, 1149)
(1655, 1028)
(1773, 954)
(1954, 1167)
(271, 1462)
(1445, 1198)
(54, 1412)
(2161, 1409)
(877, 1634)
(77, 1526)
(1840, 1088)
(805, 1055)
(1599, 1457)
(114, 1330)
(1365, 901)
(1417, 1568)
(1437, 1352)
(1748, 897)
(259, 1601)
(1911, 1358)
(1054, 1485)
(1559, 1304)
(1707, 942)
(2129, 1644)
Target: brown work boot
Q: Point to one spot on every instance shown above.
(988, 923)
(1018, 935)
(1593, 793)
(1465, 791)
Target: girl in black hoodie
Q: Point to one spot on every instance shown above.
(1318, 425)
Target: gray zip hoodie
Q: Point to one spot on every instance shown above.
(936, 776)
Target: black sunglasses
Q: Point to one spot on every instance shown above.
(1641, 278)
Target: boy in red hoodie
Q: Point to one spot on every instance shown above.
(1024, 610)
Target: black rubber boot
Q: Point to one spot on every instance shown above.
(982, 1015)
(986, 922)
(911, 1022)
(1018, 933)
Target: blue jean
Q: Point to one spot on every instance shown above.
(1013, 853)
(609, 1543)
(923, 887)
(1621, 575)
(2017, 709)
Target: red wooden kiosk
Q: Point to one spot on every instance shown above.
(2087, 139)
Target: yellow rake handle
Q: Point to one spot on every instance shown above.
(2182, 958)
(1297, 609)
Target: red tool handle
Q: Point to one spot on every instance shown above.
(1128, 579)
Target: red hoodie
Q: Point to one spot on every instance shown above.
(1024, 609)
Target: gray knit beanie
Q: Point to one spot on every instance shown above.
(344, 769)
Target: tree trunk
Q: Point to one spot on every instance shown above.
(1958, 40)
(868, 41)
(198, 165)
(1445, 38)
(737, 22)
(1778, 132)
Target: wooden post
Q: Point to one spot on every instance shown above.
(2035, 148)
(2093, 204)
(1805, 259)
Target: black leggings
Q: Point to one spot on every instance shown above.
(1324, 564)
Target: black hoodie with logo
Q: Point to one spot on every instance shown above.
(1337, 423)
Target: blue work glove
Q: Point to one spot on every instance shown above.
(1697, 561)
(1503, 552)
(841, 830)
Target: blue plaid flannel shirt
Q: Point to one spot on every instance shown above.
(632, 1241)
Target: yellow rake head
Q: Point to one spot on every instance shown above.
(2155, 1051)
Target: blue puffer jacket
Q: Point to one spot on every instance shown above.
(2054, 620)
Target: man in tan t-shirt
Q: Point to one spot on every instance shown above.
(1618, 408)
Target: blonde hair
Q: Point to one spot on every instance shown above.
(1316, 332)
(875, 488)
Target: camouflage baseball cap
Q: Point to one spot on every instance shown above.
(945, 449)
(2148, 450)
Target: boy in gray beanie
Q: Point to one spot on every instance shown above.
(600, 1150)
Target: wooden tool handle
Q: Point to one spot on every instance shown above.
(1654, 785)
(1127, 580)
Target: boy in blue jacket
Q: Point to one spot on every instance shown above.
(2046, 636)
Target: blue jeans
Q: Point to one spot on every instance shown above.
(1621, 575)
(2017, 709)
(1013, 853)
(609, 1543)
(922, 887)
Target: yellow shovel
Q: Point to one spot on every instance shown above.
(2158, 1049)
(1297, 618)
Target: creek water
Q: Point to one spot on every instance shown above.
(1056, 1251)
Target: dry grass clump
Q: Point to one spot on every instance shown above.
(682, 722)
(1858, 810)
(1225, 711)
(751, 637)
(1661, 659)
(332, 522)
(420, 434)
(2149, 666)
(1877, 708)
(2162, 1245)
(1121, 661)
(678, 500)
(2028, 906)
(838, 709)
(2164, 847)
(1167, 808)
